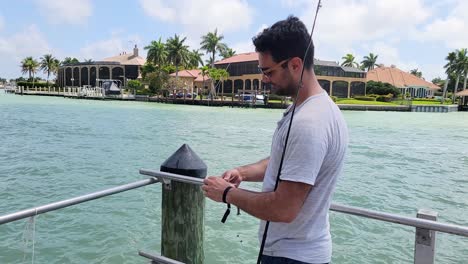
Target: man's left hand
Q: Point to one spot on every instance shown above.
(214, 187)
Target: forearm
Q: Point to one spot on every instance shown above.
(254, 172)
(258, 204)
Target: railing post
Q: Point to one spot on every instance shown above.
(424, 247)
(183, 207)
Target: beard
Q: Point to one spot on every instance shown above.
(289, 89)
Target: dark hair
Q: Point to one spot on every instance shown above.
(286, 39)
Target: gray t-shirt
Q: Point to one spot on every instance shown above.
(314, 155)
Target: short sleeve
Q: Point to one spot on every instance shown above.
(305, 152)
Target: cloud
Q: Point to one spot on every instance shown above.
(357, 21)
(28, 42)
(112, 46)
(243, 47)
(451, 31)
(199, 17)
(65, 11)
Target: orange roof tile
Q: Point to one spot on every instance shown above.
(462, 93)
(243, 57)
(195, 74)
(127, 59)
(398, 78)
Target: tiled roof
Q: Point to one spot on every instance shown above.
(352, 69)
(127, 59)
(462, 93)
(243, 57)
(326, 63)
(195, 74)
(398, 78)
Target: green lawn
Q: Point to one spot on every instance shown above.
(361, 102)
(430, 103)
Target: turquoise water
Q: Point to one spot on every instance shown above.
(56, 148)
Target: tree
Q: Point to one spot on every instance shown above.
(49, 64)
(227, 53)
(157, 53)
(381, 88)
(88, 60)
(416, 73)
(211, 43)
(456, 67)
(209, 61)
(134, 84)
(369, 62)
(29, 65)
(195, 59)
(348, 61)
(156, 81)
(146, 69)
(177, 52)
(462, 60)
(204, 72)
(438, 81)
(69, 60)
(216, 75)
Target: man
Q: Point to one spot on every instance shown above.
(298, 210)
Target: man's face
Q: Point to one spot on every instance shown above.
(277, 74)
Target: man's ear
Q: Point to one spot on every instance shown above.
(296, 64)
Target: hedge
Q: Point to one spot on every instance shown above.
(365, 98)
(35, 84)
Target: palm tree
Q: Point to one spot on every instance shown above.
(416, 73)
(227, 53)
(458, 66)
(204, 72)
(209, 61)
(195, 59)
(463, 61)
(369, 61)
(349, 61)
(211, 43)
(157, 52)
(177, 52)
(88, 60)
(48, 65)
(29, 65)
(450, 69)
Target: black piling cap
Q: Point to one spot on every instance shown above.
(185, 162)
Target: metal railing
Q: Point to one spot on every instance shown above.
(164, 177)
(76, 200)
(387, 217)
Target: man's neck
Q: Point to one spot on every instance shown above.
(310, 87)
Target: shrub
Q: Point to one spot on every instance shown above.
(334, 98)
(36, 84)
(381, 88)
(365, 98)
(134, 84)
(385, 98)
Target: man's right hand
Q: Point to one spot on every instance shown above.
(233, 176)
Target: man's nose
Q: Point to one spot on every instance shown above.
(265, 79)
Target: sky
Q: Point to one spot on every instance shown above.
(406, 33)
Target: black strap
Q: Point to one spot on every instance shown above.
(226, 214)
(225, 193)
(228, 210)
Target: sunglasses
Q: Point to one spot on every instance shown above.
(268, 72)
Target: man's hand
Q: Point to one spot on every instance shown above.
(214, 187)
(233, 176)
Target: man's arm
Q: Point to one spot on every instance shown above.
(283, 205)
(254, 172)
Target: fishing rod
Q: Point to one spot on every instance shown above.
(267, 225)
